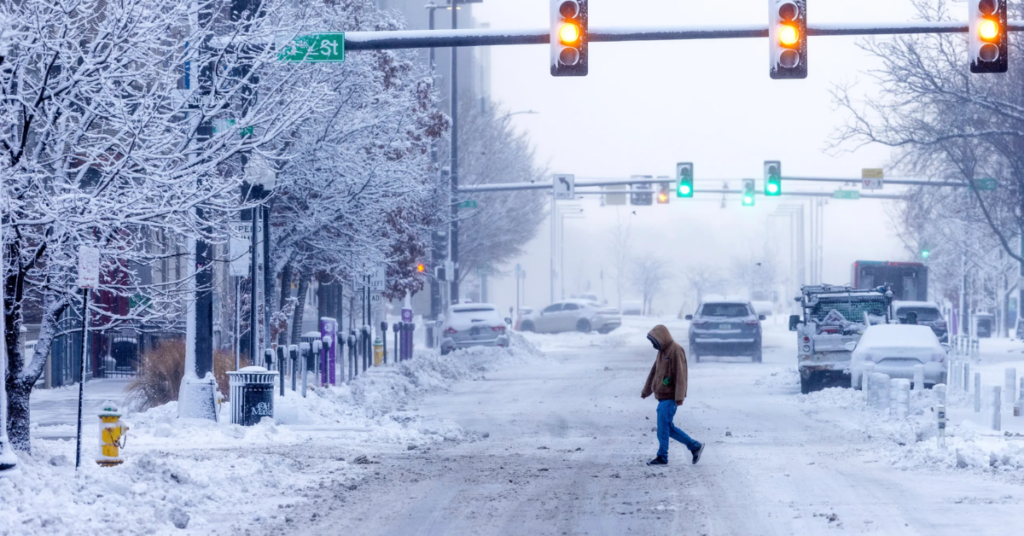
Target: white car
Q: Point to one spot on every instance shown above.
(573, 315)
(472, 324)
(895, 349)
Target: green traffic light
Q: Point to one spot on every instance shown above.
(773, 187)
(748, 200)
(685, 189)
(925, 254)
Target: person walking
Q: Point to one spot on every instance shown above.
(667, 382)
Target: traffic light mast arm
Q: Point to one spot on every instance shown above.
(493, 37)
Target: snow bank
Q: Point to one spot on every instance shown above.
(910, 443)
(209, 477)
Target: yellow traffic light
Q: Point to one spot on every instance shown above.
(789, 35)
(569, 33)
(420, 268)
(988, 29)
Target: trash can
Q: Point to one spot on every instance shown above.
(252, 395)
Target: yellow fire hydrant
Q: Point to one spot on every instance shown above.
(378, 352)
(112, 436)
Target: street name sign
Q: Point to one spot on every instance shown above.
(985, 185)
(846, 194)
(469, 203)
(325, 47)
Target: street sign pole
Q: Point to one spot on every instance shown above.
(88, 278)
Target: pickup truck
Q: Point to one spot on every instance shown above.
(833, 320)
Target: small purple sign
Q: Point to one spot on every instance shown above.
(406, 315)
(329, 329)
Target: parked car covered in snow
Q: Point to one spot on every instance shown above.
(895, 349)
(833, 317)
(472, 324)
(573, 315)
(928, 314)
(725, 328)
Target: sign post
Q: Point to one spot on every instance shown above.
(88, 278)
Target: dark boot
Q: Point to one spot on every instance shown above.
(658, 461)
(697, 453)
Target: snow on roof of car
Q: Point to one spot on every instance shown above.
(473, 307)
(899, 336)
(899, 304)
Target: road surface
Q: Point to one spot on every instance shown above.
(567, 438)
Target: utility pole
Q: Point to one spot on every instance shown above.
(197, 392)
(453, 238)
(1019, 329)
(438, 240)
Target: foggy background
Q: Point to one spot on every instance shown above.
(646, 106)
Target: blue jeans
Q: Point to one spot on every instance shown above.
(666, 411)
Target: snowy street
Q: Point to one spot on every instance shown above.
(568, 439)
(545, 440)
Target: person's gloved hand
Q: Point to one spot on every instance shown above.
(679, 403)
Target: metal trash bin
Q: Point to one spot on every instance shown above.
(252, 395)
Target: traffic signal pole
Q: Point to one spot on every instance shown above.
(403, 39)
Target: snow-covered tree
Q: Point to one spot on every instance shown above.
(101, 147)
(949, 125)
(354, 185)
(648, 276)
(492, 151)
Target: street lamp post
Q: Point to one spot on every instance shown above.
(260, 182)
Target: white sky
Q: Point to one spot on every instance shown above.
(646, 106)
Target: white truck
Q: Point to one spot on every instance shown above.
(833, 320)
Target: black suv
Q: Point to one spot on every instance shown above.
(725, 328)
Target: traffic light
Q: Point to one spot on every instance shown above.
(569, 38)
(684, 178)
(663, 194)
(421, 268)
(925, 252)
(748, 192)
(787, 38)
(987, 19)
(772, 178)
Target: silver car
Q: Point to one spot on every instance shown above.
(573, 315)
(472, 324)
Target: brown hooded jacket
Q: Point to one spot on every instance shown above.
(667, 380)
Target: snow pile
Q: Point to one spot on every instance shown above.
(912, 442)
(217, 477)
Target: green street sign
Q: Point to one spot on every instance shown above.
(329, 47)
(224, 125)
(470, 203)
(138, 300)
(846, 194)
(985, 185)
